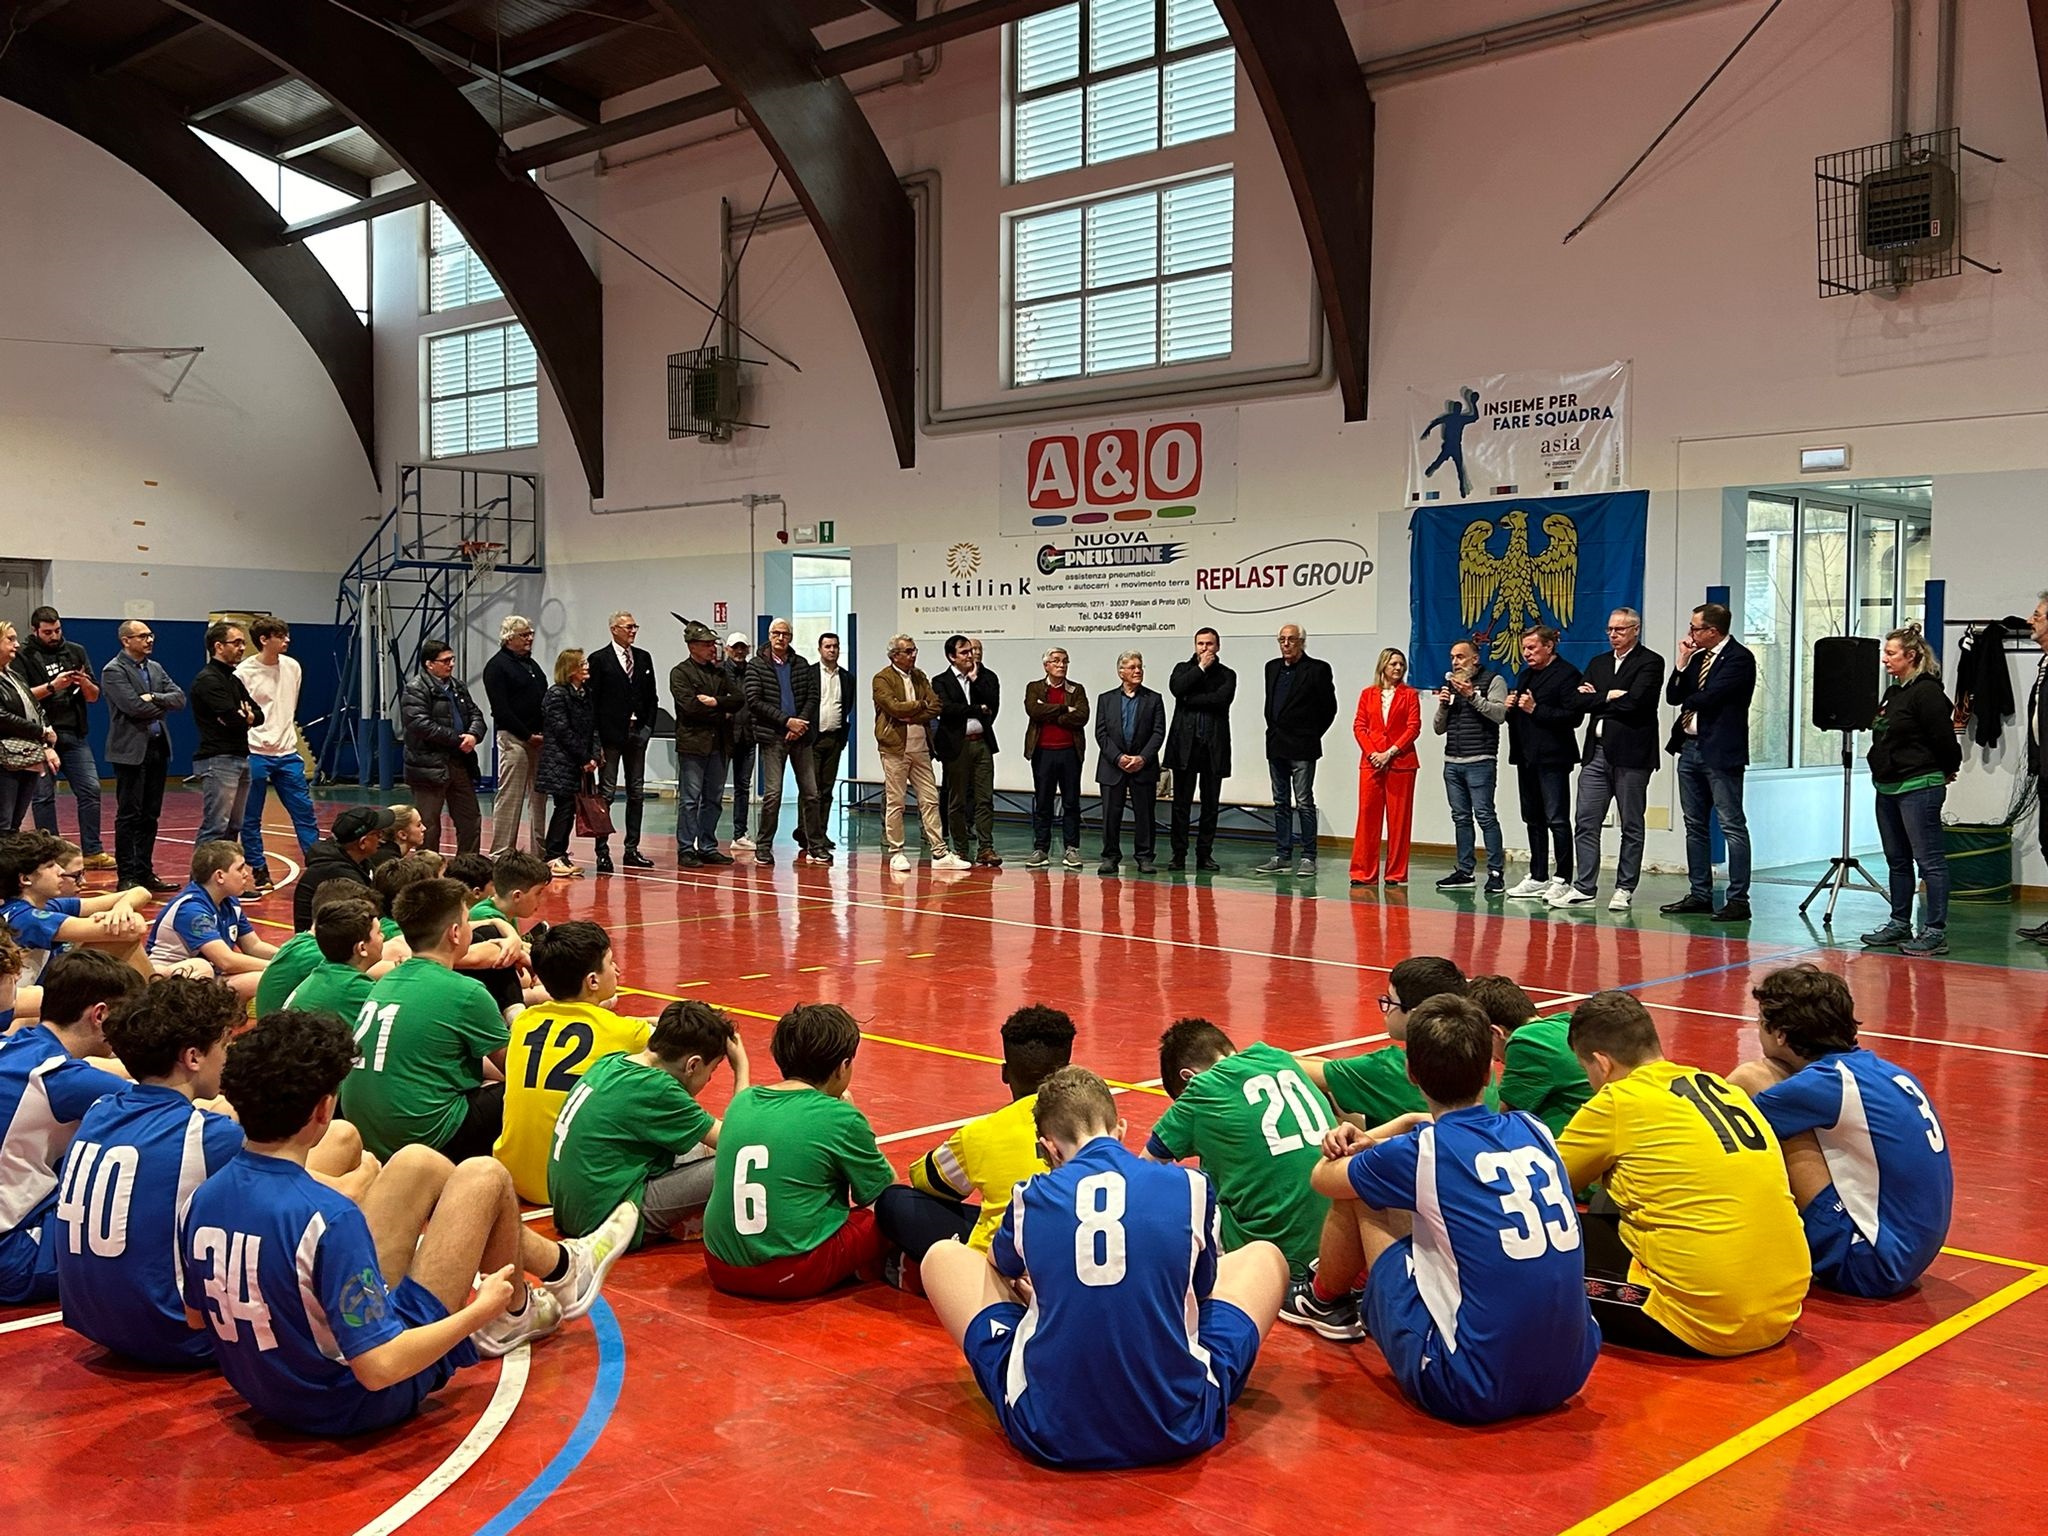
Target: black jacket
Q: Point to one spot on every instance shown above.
(1144, 741)
(515, 685)
(1914, 733)
(36, 663)
(620, 702)
(1628, 725)
(1983, 684)
(1295, 729)
(1722, 705)
(1544, 736)
(765, 717)
(982, 701)
(436, 720)
(1201, 713)
(217, 698)
(736, 674)
(326, 860)
(568, 740)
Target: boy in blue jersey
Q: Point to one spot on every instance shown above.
(1475, 1278)
(1076, 1324)
(1865, 1153)
(334, 1318)
(204, 921)
(48, 914)
(136, 1158)
(45, 1089)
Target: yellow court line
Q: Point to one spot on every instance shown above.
(1992, 1258)
(757, 976)
(1654, 1495)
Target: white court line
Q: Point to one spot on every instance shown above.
(497, 1413)
(38, 1321)
(1866, 1034)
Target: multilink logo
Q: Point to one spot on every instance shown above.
(963, 560)
(1285, 576)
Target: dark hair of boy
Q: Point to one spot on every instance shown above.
(262, 629)
(811, 1040)
(1074, 1105)
(12, 959)
(689, 1029)
(1810, 1009)
(1037, 1041)
(80, 978)
(426, 911)
(1417, 979)
(1450, 1049)
(278, 1072)
(1507, 1006)
(340, 926)
(21, 855)
(152, 1029)
(472, 869)
(1617, 1026)
(1190, 1046)
(334, 892)
(214, 858)
(517, 870)
(394, 877)
(566, 954)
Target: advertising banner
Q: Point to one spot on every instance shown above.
(1520, 434)
(1157, 472)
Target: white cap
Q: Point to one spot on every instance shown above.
(736, 638)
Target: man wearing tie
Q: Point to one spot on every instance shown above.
(964, 741)
(622, 696)
(1619, 697)
(1198, 748)
(1130, 728)
(1715, 680)
(2037, 727)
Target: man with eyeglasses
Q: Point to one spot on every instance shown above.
(905, 707)
(621, 690)
(223, 709)
(1619, 698)
(139, 694)
(442, 727)
(1712, 686)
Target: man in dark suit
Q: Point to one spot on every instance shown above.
(1130, 729)
(2037, 728)
(622, 697)
(1198, 745)
(1619, 697)
(1301, 703)
(1543, 715)
(1712, 687)
(964, 740)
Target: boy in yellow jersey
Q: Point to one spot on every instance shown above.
(554, 1044)
(990, 1156)
(1703, 1252)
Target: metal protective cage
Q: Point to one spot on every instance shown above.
(1889, 214)
(704, 394)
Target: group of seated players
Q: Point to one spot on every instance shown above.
(326, 1204)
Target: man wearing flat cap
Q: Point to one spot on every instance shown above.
(706, 703)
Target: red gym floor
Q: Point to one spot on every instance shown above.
(676, 1408)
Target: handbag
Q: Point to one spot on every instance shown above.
(19, 755)
(593, 810)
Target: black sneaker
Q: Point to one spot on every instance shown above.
(1496, 884)
(688, 859)
(1207, 865)
(763, 855)
(260, 883)
(1178, 862)
(1456, 880)
(635, 859)
(1336, 1320)
(714, 856)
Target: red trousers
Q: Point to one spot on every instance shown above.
(856, 1248)
(1389, 795)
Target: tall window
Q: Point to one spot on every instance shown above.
(482, 391)
(345, 252)
(456, 277)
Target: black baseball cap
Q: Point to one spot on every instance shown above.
(359, 821)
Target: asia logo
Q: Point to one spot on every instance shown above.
(1286, 576)
(1106, 551)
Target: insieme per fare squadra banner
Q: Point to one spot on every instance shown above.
(1237, 580)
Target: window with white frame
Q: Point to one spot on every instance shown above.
(483, 393)
(456, 275)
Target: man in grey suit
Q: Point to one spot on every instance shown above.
(139, 694)
(1130, 730)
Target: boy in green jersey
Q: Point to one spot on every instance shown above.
(1539, 1073)
(350, 941)
(1375, 1088)
(1253, 1119)
(299, 956)
(504, 893)
(424, 1037)
(632, 1130)
(798, 1169)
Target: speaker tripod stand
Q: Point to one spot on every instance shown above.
(1845, 865)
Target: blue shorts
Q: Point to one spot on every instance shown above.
(1230, 1336)
(28, 1262)
(1843, 1260)
(413, 1305)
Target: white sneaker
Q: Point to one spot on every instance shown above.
(1557, 889)
(951, 861)
(541, 1316)
(899, 864)
(591, 1259)
(745, 844)
(1530, 889)
(1572, 897)
(1619, 901)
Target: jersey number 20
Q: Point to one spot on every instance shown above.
(1287, 1092)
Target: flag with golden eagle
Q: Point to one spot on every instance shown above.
(1492, 571)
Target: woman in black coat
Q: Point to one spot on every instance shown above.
(569, 752)
(1913, 756)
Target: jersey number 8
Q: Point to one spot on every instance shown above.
(1099, 1239)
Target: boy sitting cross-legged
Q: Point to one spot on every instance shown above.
(989, 1156)
(334, 1317)
(1867, 1158)
(505, 892)
(138, 1155)
(205, 922)
(555, 1043)
(1539, 1073)
(1475, 1282)
(1696, 1246)
(798, 1169)
(632, 1129)
(1134, 1333)
(1258, 1127)
(47, 913)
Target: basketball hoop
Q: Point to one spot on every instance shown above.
(482, 555)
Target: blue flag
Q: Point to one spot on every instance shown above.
(1492, 571)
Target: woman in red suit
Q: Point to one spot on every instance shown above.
(1388, 721)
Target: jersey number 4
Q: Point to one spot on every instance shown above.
(93, 1204)
(1288, 1093)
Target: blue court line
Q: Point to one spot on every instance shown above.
(1716, 970)
(604, 1397)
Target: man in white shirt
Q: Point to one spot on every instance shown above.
(273, 680)
(831, 738)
